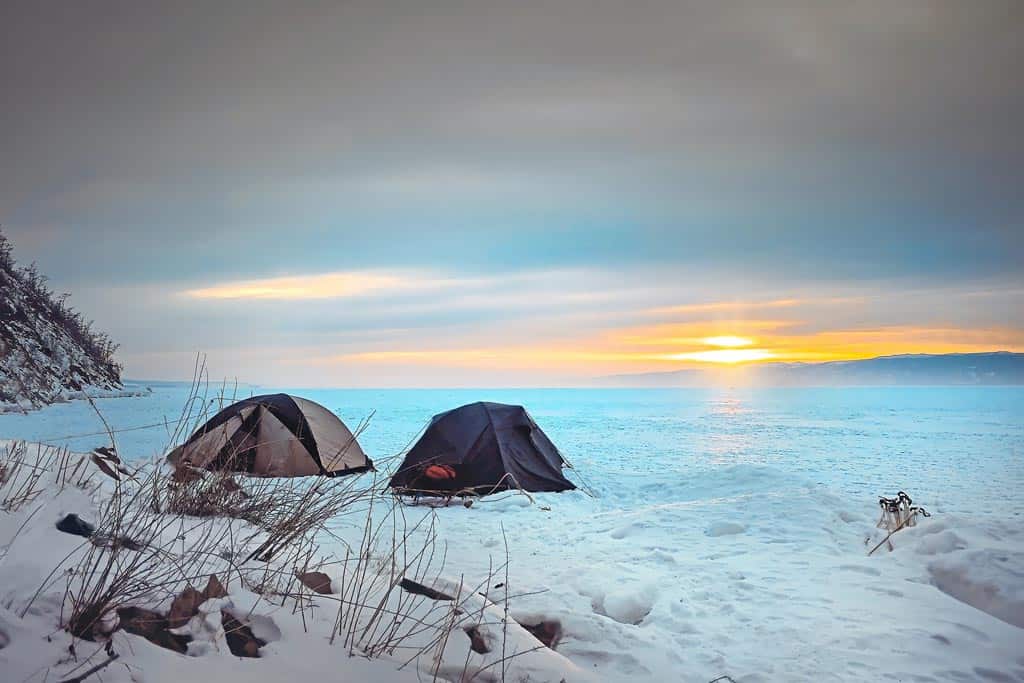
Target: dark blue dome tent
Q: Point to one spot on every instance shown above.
(478, 449)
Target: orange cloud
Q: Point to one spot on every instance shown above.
(696, 333)
(852, 344)
(728, 341)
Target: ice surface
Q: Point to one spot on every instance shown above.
(730, 527)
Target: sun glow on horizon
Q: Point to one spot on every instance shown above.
(724, 355)
(712, 340)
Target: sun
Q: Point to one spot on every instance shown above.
(728, 341)
(731, 350)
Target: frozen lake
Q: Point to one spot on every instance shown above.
(727, 535)
(957, 445)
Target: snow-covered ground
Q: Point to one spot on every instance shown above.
(386, 634)
(66, 396)
(730, 528)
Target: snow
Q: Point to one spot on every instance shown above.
(729, 535)
(991, 579)
(34, 606)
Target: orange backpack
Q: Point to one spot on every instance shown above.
(440, 472)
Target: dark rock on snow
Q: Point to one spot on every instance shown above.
(417, 588)
(241, 640)
(73, 524)
(156, 627)
(316, 581)
(152, 626)
(477, 642)
(548, 632)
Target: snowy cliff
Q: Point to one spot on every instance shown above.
(48, 352)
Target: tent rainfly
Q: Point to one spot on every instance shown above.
(478, 449)
(276, 435)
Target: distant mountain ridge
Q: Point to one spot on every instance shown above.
(48, 352)
(988, 368)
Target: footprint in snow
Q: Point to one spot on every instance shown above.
(724, 529)
(869, 571)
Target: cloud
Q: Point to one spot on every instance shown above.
(684, 134)
(726, 306)
(549, 326)
(563, 183)
(412, 293)
(322, 286)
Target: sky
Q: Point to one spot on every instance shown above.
(518, 193)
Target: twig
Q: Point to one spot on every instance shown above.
(102, 665)
(889, 535)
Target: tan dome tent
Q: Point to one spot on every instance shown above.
(274, 436)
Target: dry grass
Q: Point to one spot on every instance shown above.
(26, 469)
(133, 558)
(266, 552)
(376, 617)
(155, 536)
